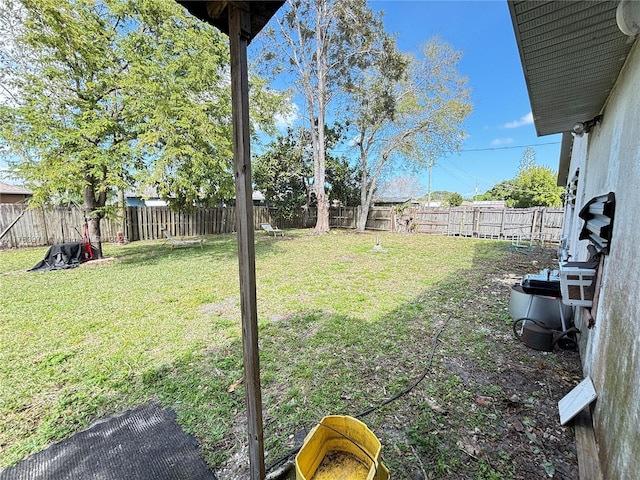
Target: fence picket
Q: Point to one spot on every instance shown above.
(37, 227)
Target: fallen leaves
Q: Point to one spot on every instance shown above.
(469, 446)
(232, 388)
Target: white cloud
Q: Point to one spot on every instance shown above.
(501, 141)
(288, 118)
(355, 141)
(525, 120)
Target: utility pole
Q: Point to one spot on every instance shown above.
(429, 167)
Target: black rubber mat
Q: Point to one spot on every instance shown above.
(144, 443)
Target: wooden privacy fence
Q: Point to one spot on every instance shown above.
(22, 227)
(540, 223)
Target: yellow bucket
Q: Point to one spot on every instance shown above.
(340, 448)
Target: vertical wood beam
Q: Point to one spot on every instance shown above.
(239, 31)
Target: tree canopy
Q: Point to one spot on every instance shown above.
(117, 93)
(284, 173)
(453, 199)
(407, 109)
(534, 186)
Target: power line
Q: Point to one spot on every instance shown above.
(509, 147)
(350, 149)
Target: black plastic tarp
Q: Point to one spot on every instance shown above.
(60, 256)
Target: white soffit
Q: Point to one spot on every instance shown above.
(571, 53)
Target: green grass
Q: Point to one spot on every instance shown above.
(341, 327)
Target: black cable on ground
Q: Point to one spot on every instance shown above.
(294, 451)
(415, 384)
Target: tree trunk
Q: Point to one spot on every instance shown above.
(322, 222)
(363, 215)
(91, 209)
(122, 206)
(94, 236)
(365, 198)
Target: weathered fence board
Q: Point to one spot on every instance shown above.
(343, 217)
(468, 221)
(24, 227)
(380, 218)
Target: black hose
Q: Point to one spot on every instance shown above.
(366, 412)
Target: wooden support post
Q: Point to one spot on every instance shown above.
(239, 32)
(476, 223)
(534, 223)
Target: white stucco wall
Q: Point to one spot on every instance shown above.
(609, 160)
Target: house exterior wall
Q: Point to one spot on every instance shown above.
(609, 160)
(12, 197)
(573, 223)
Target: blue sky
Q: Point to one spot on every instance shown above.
(500, 126)
(501, 118)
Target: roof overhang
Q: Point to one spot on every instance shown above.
(571, 53)
(216, 13)
(565, 159)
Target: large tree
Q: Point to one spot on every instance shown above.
(284, 173)
(501, 191)
(320, 43)
(534, 186)
(116, 92)
(407, 109)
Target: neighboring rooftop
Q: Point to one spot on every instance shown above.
(9, 189)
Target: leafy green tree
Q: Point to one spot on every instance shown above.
(407, 109)
(534, 186)
(320, 43)
(537, 186)
(453, 199)
(501, 191)
(284, 174)
(116, 91)
(343, 179)
(440, 195)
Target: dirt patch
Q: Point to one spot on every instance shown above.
(227, 307)
(99, 262)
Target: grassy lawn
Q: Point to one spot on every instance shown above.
(342, 327)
